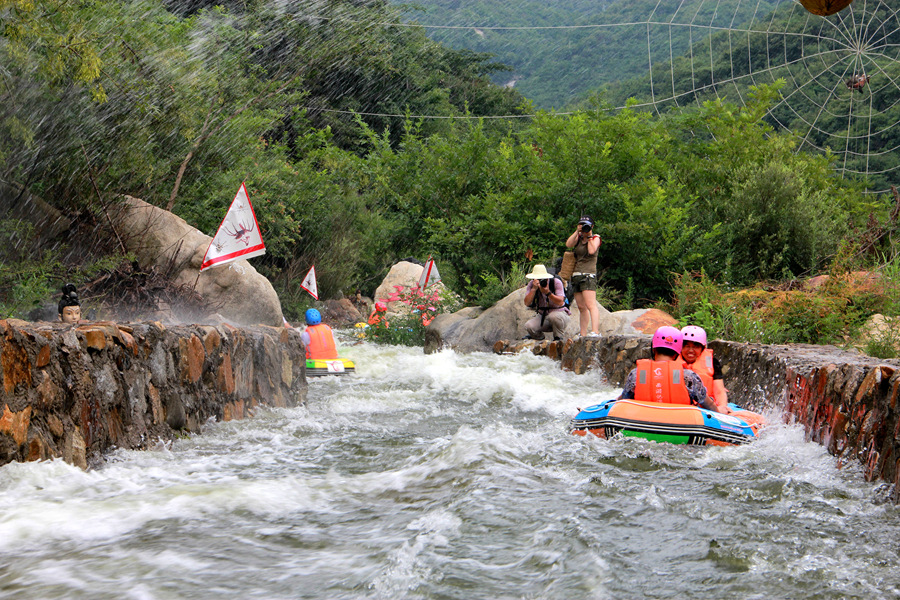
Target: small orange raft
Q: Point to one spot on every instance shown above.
(673, 423)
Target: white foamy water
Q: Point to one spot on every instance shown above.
(446, 476)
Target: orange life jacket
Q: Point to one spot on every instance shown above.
(321, 342)
(660, 381)
(377, 317)
(703, 367)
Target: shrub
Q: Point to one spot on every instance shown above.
(884, 343)
(408, 327)
(497, 287)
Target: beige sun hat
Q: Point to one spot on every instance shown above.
(539, 272)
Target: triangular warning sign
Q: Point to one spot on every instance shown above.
(309, 283)
(238, 235)
(429, 274)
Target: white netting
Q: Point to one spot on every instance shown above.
(841, 75)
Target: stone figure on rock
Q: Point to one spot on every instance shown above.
(69, 307)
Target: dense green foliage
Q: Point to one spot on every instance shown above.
(124, 97)
(737, 201)
(834, 312)
(183, 106)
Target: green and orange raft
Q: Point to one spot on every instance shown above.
(673, 423)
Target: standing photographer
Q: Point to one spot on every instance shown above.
(547, 295)
(586, 245)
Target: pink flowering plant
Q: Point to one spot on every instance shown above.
(407, 327)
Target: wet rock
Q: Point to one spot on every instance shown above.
(15, 361)
(55, 425)
(192, 356)
(43, 357)
(15, 424)
(341, 313)
(474, 329)
(75, 450)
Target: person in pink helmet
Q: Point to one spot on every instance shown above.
(663, 378)
(699, 359)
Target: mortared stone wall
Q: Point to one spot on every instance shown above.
(76, 391)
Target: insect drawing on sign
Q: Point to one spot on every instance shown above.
(240, 232)
(238, 236)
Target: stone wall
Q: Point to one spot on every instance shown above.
(844, 400)
(76, 391)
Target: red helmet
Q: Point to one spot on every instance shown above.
(667, 337)
(380, 306)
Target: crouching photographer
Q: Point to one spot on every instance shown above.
(547, 295)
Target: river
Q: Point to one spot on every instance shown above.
(446, 476)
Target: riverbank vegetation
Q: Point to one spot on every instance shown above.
(363, 143)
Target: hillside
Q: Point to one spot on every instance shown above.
(603, 41)
(306, 106)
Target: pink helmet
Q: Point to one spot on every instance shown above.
(692, 333)
(667, 337)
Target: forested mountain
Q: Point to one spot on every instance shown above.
(585, 44)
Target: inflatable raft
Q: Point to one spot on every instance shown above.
(331, 366)
(673, 423)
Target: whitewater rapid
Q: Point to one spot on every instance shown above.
(446, 476)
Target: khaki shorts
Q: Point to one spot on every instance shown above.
(581, 283)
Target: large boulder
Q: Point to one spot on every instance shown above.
(341, 313)
(404, 274)
(166, 241)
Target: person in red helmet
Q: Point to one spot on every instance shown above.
(379, 314)
(699, 359)
(662, 379)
